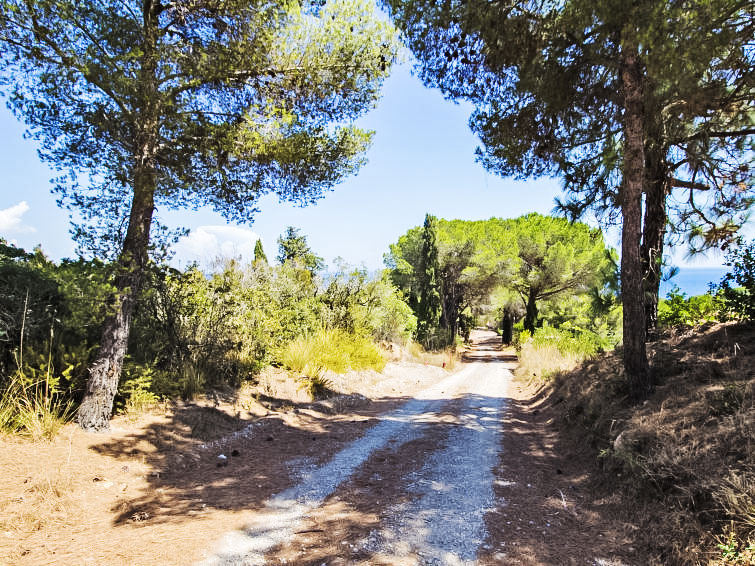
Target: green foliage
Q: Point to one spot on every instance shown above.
(354, 302)
(59, 307)
(736, 552)
(186, 320)
(259, 253)
(579, 314)
(571, 125)
(30, 302)
(428, 292)
(171, 105)
(386, 316)
(580, 342)
(555, 257)
(333, 350)
(198, 331)
(740, 298)
(679, 310)
(136, 389)
(293, 248)
(617, 100)
(504, 266)
(230, 102)
(553, 350)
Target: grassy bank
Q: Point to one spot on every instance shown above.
(683, 461)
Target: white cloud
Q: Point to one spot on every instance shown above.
(207, 243)
(11, 219)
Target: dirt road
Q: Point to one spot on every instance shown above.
(434, 503)
(464, 473)
(435, 468)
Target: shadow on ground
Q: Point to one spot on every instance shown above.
(260, 456)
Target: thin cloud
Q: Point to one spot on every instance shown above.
(11, 219)
(208, 243)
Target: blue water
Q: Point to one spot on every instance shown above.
(693, 280)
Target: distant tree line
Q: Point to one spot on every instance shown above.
(452, 271)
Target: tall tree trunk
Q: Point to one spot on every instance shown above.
(105, 373)
(530, 318)
(507, 328)
(635, 354)
(653, 232)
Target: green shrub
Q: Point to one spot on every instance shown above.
(739, 299)
(136, 389)
(333, 350)
(679, 310)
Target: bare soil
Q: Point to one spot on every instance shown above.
(155, 491)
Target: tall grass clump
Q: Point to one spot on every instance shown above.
(332, 350)
(552, 350)
(33, 409)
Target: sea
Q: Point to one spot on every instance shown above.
(693, 280)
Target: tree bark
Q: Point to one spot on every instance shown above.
(530, 318)
(635, 354)
(653, 232)
(105, 373)
(507, 328)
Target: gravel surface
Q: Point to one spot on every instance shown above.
(283, 513)
(445, 524)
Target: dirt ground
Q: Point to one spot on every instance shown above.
(158, 490)
(117, 498)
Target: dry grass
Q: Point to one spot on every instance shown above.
(332, 350)
(685, 458)
(446, 358)
(36, 498)
(542, 361)
(47, 502)
(33, 410)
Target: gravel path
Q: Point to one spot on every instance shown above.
(444, 525)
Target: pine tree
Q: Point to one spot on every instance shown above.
(621, 100)
(429, 307)
(187, 104)
(259, 253)
(293, 248)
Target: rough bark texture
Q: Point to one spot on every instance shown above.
(632, 295)
(653, 231)
(97, 405)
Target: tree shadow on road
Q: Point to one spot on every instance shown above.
(260, 457)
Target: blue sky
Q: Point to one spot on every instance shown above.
(422, 161)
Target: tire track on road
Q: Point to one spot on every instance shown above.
(445, 523)
(278, 521)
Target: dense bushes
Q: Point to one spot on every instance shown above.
(191, 330)
(732, 299)
(679, 310)
(50, 315)
(196, 330)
